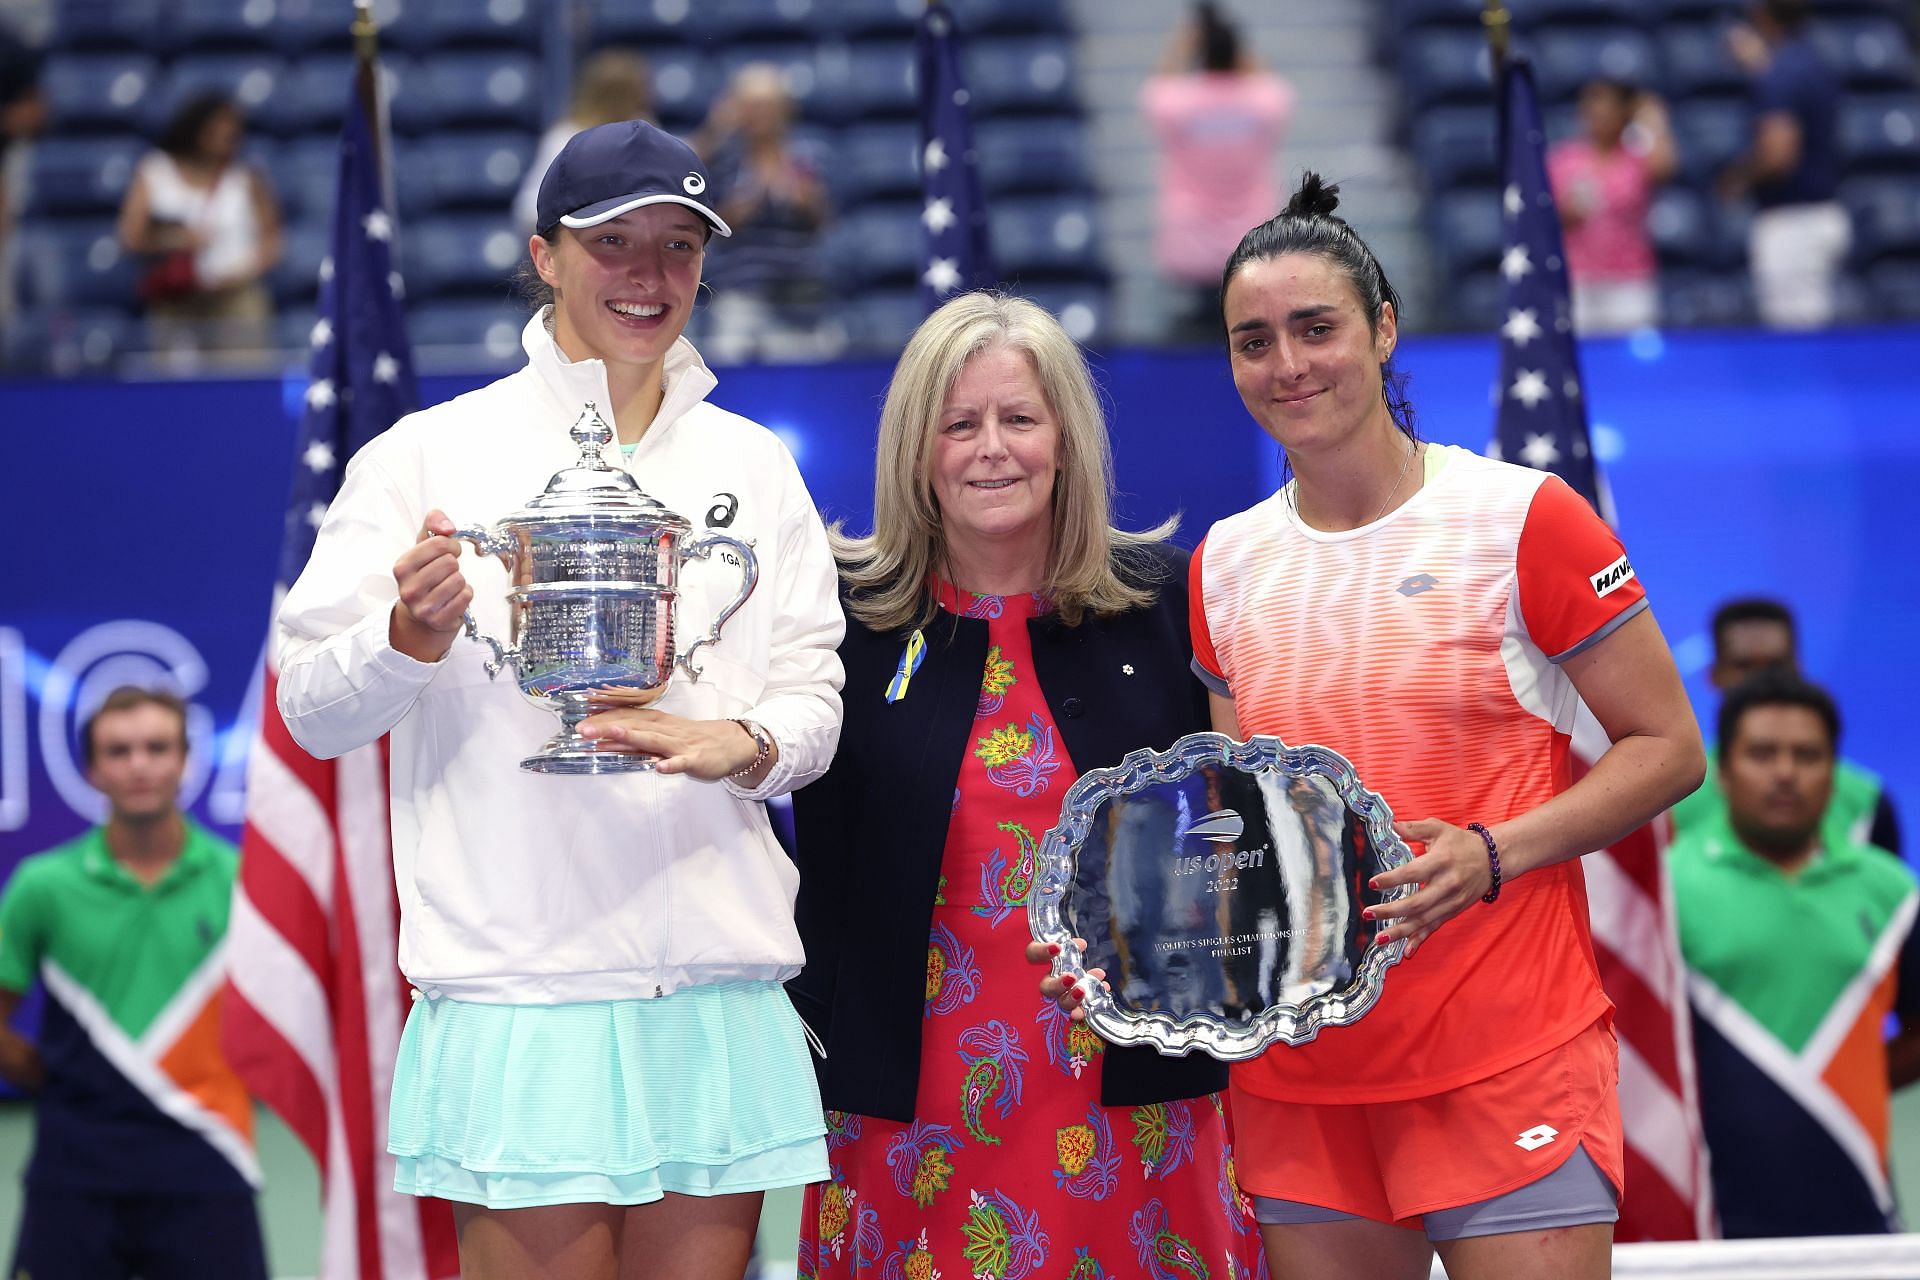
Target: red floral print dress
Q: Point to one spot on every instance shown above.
(1011, 1168)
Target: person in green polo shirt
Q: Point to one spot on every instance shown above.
(1750, 635)
(143, 1160)
(1798, 946)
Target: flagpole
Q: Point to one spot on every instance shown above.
(1499, 24)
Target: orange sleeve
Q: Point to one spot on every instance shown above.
(1206, 663)
(1576, 584)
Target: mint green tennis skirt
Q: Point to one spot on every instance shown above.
(706, 1092)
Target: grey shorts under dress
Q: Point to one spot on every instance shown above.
(1576, 1194)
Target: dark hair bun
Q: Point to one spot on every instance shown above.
(1316, 197)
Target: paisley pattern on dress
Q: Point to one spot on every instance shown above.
(1011, 1169)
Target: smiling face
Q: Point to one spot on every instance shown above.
(623, 290)
(1305, 361)
(996, 453)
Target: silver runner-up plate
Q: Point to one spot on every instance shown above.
(1220, 885)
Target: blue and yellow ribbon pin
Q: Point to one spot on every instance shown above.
(910, 659)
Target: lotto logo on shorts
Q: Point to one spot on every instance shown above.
(1612, 578)
(1537, 1137)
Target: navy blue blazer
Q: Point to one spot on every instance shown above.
(870, 833)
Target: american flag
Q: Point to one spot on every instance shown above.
(315, 1001)
(1542, 422)
(955, 217)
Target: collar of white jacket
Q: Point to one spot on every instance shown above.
(575, 383)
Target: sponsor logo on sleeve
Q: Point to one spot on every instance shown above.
(1612, 578)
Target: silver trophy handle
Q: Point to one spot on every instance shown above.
(699, 549)
(489, 543)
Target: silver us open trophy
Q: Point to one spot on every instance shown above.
(595, 563)
(1220, 886)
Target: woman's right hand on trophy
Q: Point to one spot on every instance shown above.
(1069, 995)
(434, 594)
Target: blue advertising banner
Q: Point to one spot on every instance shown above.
(147, 519)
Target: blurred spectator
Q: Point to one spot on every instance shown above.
(209, 226)
(1218, 120)
(1603, 182)
(610, 86)
(1797, 948)
(766, 280)
(22, 113)
(1754, 635)
(142, 1155)
(1800, 233)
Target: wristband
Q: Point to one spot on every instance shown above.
(1493, 860)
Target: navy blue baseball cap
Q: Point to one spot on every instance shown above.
(616, 168)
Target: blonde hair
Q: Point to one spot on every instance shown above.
(611, 86)
(1092, 566)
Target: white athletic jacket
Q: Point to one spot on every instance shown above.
(524, 888)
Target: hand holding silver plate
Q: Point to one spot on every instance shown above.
(595, 565)
(1220, 885)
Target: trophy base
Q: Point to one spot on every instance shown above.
(572, 754)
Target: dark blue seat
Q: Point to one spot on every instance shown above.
(1706, 299)
(1709, 133)
(1868, 52)
(875, 162)
(66, 341)
(1881, 134)
(306, 27)
(83, 176)
(312, 96)
(295, 279)
(878, 322)
(461, 171)
(988, 17)
(95, 93)
(466, 90)
(874, 19)
(643, 24)
(1032, 155)
(252, 80)
(438, 26)
(1084, 310)
(866, 80)
(76, 263)
(726, 21)
(1567, 59)
(1895, 288)
(1445, 66)
(1468, 231)
(491, 326)
(1685, 229)
(1663, 11)
(684, 84)
(465, 254)
(1029, 75)
(203, 26)
(1455, 146)
(1464, 15)
(96, 25)
(1476, 301)
(306, 176)
(1698, 61)
(1886, 216)
(1535, 14)
(877, 245)
(1046, 237)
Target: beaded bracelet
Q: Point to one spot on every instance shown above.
(1493, 860)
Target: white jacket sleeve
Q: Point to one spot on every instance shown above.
(800, 706)
(341, 684)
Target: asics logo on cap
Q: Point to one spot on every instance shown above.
(694, 184)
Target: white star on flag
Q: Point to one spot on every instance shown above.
(326, 269)
(378, 225)
(1512, 201)
(385, 368)
(395, 285)
(320, 394)
(939, 215)
(318, 457)
(1522, 326)
(1571, 387)
(322, 333)
(316, 513)
(936, 155)
(942, 275)
(1540, 452)
(1515, 263)
(1530, 387)
(1493, 449)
